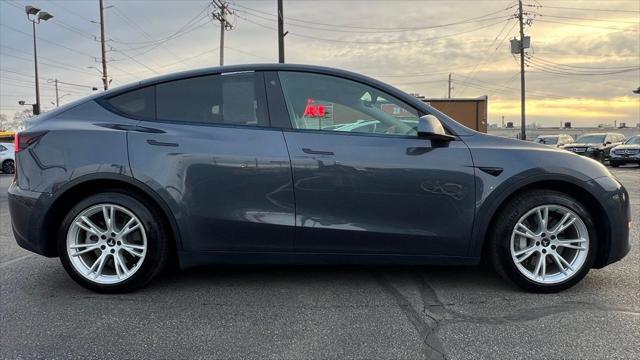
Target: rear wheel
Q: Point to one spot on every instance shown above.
(544, 241)
(111, 242)
(8, 167)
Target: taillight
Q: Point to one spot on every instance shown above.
(16, 141)
(23, 140)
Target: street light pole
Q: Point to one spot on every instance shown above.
(38, 16)
(36, 108)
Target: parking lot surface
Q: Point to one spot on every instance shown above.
(318, 312)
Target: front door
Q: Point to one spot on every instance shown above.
(364, 182)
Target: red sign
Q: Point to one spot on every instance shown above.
(313, 110)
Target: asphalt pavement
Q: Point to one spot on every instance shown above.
(318, 312)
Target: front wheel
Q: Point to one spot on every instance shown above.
(543, 241)
(110, 242)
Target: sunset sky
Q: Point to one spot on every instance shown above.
(584, 59)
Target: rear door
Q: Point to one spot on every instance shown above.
(364, 181)
(206, 146)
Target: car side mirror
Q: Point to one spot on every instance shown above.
(607, 142)
(429, 127)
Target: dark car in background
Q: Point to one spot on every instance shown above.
(259, 164)
(627, 153)
(596, 146)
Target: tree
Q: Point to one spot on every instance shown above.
(19, 120)
(3, 121)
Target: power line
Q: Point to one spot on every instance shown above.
(61, 64)
(45, 63)
(135, 60)
(382, 29)
(48, 41)
(493, 54)
(365, 30)
(585, 67)
(587, 9)
(554, 70)
(184, 29)
(398, 42)
(585, 25)
(590, 19)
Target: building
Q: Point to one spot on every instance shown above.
(471, 112)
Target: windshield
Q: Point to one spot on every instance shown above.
(634, 140)
(549, 140)
(591, 139)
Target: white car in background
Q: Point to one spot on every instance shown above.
(554, 140)
(7, 158)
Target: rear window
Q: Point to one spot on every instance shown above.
(138, 103)
(236, 99)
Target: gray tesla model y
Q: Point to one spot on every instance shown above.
(294, 164)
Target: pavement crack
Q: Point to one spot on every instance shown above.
(426, 327)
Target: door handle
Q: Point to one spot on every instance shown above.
(160, 143)
(316, 152)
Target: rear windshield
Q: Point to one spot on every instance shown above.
(634, 141)
(591, 139)
(547, 140)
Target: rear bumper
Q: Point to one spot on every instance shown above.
(27, 209)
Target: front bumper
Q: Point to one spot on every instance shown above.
(625, 159)
(594, 154)
(27, 210)
(614, 199)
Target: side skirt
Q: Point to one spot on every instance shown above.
(193, 259)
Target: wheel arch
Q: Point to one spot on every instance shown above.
(65, 198)
(572, 188)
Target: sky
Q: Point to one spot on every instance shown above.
(582, 66)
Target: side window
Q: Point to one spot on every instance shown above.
(236, 99)
(2, 148)
(328, 103)
(138, 103)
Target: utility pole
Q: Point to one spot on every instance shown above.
(55, 81)
(221, 16)
(281, 33)
(449, 96)
(523, 122)
(105, 81)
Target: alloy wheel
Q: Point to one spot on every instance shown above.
(8, 167)
(106, 243)
(549, 244)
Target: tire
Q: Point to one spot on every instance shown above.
(8, 167)
(503, 239)
(601, 157)
(143, 251)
